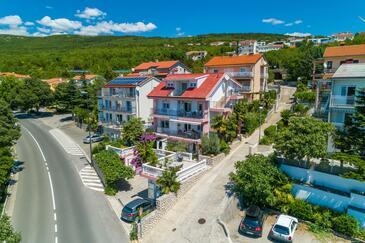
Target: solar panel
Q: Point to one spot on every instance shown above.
(128, 80)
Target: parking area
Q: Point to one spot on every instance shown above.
(302, 234)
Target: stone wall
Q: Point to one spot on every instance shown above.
(165, 203)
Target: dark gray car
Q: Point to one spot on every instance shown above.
(131, 210)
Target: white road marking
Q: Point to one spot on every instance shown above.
(91, 179)
(39, 147)
(66, 142)
(50, 183)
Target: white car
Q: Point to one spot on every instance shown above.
(284, 228)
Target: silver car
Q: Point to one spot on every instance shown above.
(94, 138)
(284, 228)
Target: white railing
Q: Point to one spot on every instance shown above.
(191, 170)
(122, 152)
(240, 74)
(342, 101)
(151, 171)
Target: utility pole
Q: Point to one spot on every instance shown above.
(260, 109)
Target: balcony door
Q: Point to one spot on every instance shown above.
(349, 93)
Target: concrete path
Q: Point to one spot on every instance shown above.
(206, 199)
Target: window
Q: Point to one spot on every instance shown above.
(355, 61)
(242, 69)
(329, 64)
(200, 107)
(215, 70)
(187, 106)
(187, 127)
(199, 128)
(170, 85)
(165, 124)
(166, 105)
(192, 85)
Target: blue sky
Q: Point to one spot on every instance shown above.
(179, 18)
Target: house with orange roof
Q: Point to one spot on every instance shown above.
(325, 68)
(53, 82)
(160, 69)
(251, 71)
(16, 75)
(183, 105)
(87, 78)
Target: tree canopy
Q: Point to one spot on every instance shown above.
(303, 138)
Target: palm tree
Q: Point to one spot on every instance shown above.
(220, 125)
(168, 181)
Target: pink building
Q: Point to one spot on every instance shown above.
(250, 71)
(183, 105)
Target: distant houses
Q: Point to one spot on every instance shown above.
(16, 75)
(160, 69)
(54, 82)
(196, 55)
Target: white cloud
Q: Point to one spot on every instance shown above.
(299, 34)
(289, 24)
(14, 30)
(60, 25)
(43, 30)
(179, 32)
(11, 20)
(49, 7)
(90, 13)
(109, 27)
(28, 23)
(299, 21)
(273, 21)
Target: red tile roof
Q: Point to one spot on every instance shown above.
(340, 51)
(201, 92)
(147, 65)
(14, 75)
(87, 77)
(235, 60)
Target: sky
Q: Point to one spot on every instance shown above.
(179, 18)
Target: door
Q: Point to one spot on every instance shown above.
(350, 95)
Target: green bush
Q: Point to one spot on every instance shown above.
(113, 169)
(133, 235)
(224, 147)
(251, 121)
(266, 141)
(346, 224)
(270, 131)
(322, 221)
(210, 144)
(301, 209)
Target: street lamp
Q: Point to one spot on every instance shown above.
(260, 109)
(86, 94)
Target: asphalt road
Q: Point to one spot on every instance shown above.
(67, 211)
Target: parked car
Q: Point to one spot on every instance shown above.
(252, 223)
(94, 138)
(131, 209)
(284, 228)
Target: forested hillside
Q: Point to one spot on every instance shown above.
(54, 56)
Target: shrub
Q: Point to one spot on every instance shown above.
(346, 224)
(133, 235)
(113, 169)
(251, 122)
(322, 221)
(210, 144)
(301, 209)
(270, 131)
(224, 147)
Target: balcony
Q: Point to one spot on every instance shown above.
(180, 113)
(118, 109)
(240, 74)
(246, 88)
(120, 95)
(264, 75)
(342, 101)
(190, 134)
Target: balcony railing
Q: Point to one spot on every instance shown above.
(118, 109)
(120, 95)
(240, 74)
(246, 88)
(264, 75)
(342, 101)
(180, 113)
(191, 134)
